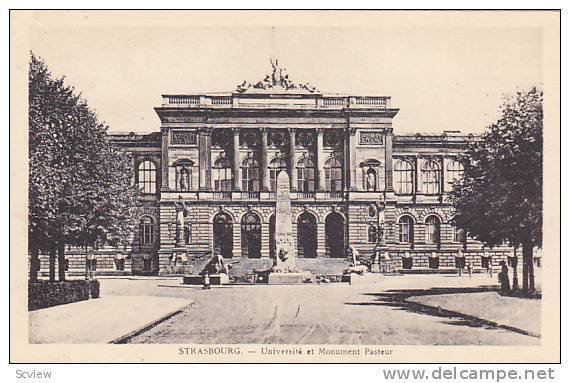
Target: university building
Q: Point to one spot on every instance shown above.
(353, 181)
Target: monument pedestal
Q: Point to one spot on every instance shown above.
(364, 279)
(198, 280)
(281, 278)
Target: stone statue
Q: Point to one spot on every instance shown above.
(354, 262)
(181, 213)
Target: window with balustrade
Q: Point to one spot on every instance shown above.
(250, 175)
(222, 174)
(146, 231)
(333, 174)
(306, 175)
(433, 230)
(406, 229)
(403, 177)
(275, 167)
(431, 181)
(146, 177)
(453, 172)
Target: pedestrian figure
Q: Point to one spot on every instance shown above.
(504, 278)
(469, 268)
(206, 282)
(490, 269)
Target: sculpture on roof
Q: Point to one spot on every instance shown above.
(278, 79)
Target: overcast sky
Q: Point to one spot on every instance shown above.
(440, 78)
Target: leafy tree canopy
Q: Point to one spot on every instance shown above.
(81, 189)
(499, 198)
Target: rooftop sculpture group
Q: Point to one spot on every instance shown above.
(278, 79)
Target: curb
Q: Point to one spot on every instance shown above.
(486, 322)
(123, 339)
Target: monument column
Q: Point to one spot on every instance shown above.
(320, 161)
(236, 171)
(389, 165)
(264, 170)
(164, 162)
(292, 172)
(205, 158)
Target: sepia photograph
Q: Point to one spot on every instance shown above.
(275, 186)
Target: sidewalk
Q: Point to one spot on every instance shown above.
(523, 314)
(101, 320)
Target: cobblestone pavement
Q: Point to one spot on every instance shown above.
(335, 313)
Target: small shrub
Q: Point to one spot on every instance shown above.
(43, 294)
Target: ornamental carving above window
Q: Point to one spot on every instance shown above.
(371, 138)
(182, 137)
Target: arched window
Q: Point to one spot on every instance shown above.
(275, 167)
(306, 175)
(183, 174)
(433, 229)
(372, 234)
(454, 171)
(222, 174)
(406, 226)
(147, 177)
(404, 177)
(250, 175)
(431, 178)
(333, 174)
(146, 231)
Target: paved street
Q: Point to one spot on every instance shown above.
(327, 313)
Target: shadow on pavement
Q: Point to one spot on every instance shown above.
(398, 300)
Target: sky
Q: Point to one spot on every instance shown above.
(441, 78)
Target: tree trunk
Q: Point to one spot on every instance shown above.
(515, 277)
(52, 252)
(61, 260)
(528, 269)
(530, 266)
(34, 262)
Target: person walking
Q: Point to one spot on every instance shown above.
(503, 277)
(206, 282)
(469, 268)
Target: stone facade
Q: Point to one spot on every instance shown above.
(353, 181)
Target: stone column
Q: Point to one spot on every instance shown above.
(205, 158)
(292, 172)
(164, 162)
(263, 169)
(235, 163)
(389, 166)
(320, 171)
(351, 183)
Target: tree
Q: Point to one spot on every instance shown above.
(81, 189)
(499, 198)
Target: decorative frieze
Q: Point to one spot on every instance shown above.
(371, 138)
(184, 137)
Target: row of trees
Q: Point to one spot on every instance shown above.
(499, 198)
(81, 189)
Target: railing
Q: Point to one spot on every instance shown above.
(334, 194)
(183, 100)
(371, 101)
(221, 101)
(249, 195)
(335, 101)
(305, 195)
(227, 101)
(223, 195)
